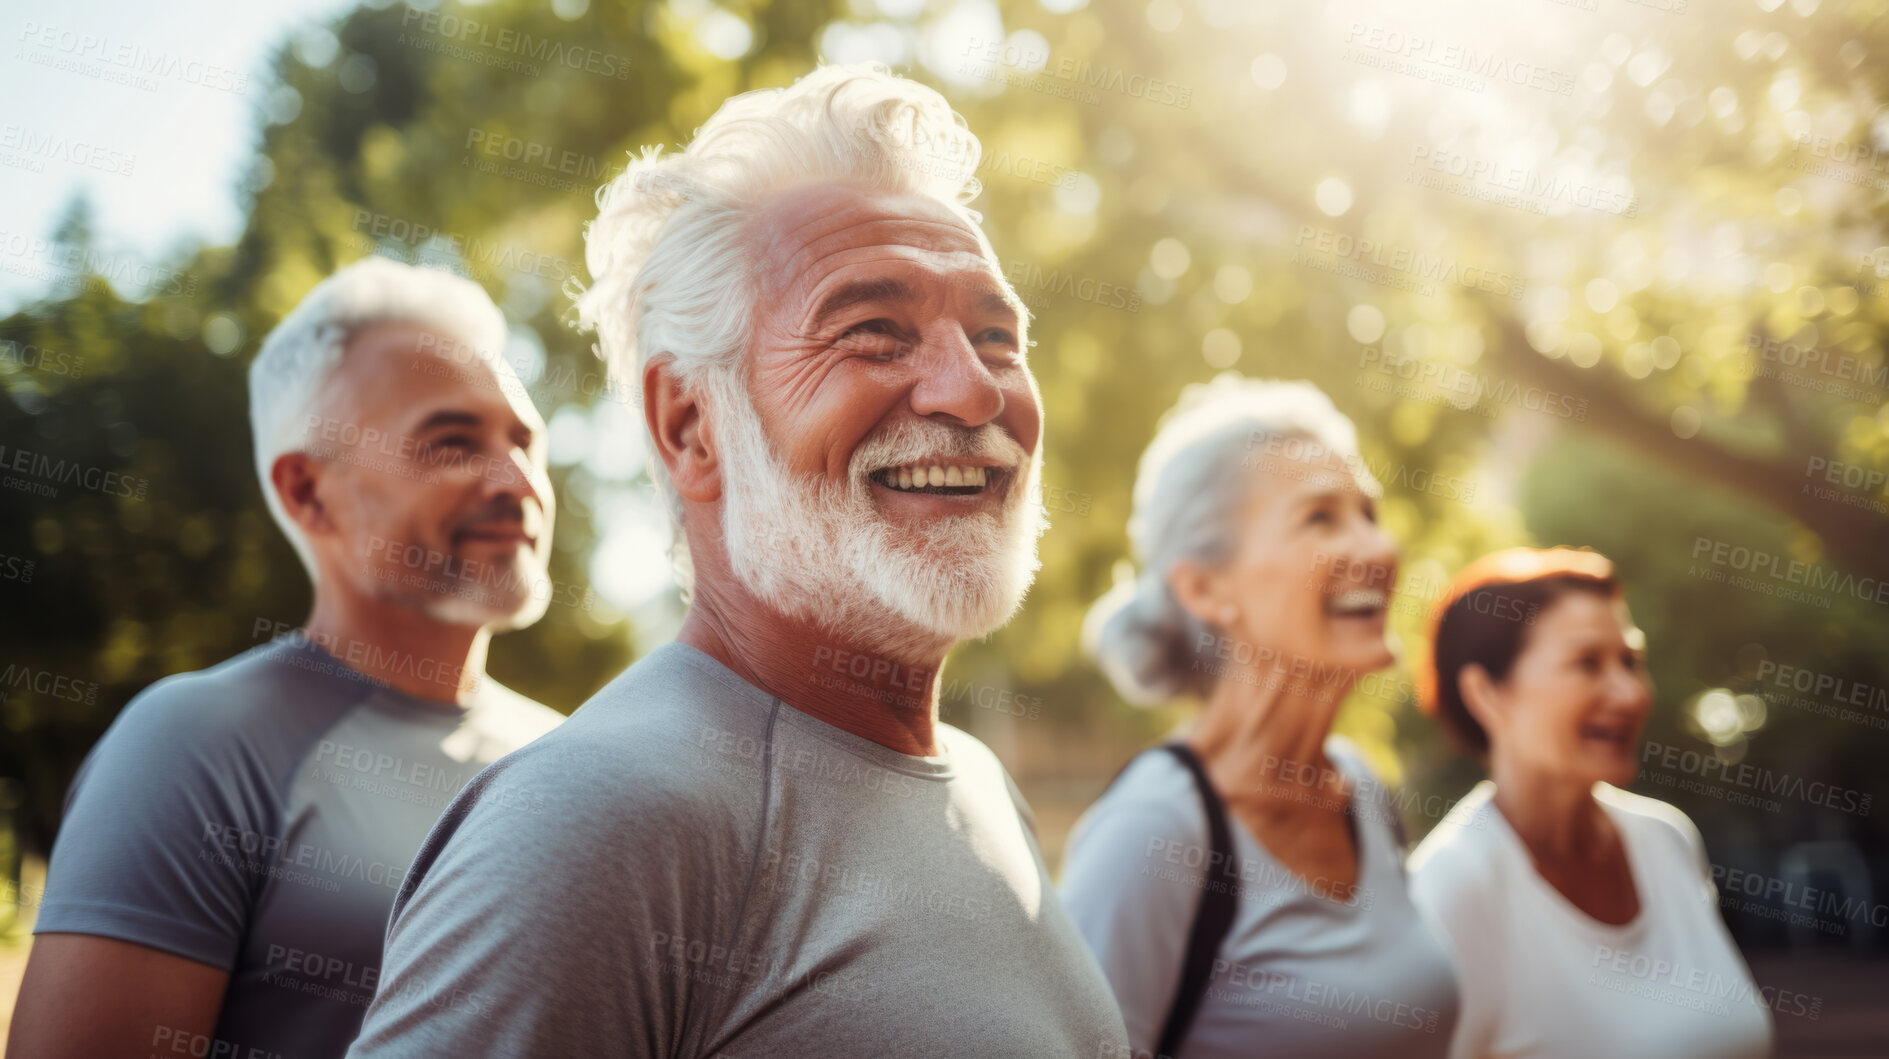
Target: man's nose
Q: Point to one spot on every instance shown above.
(518, 476)
(955, 382)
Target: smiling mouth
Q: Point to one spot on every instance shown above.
(1358, 603)
(499, 534)
(942, 479)
(1619, 735)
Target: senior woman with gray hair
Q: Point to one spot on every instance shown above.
(1243, 888)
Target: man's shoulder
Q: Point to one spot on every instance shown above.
(255, 700)
(669, 743)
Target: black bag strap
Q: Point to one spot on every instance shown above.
(1219, 903)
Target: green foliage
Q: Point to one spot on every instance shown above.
(1207, 214)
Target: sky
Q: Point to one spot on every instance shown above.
(152, 110)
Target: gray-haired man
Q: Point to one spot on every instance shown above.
(232, 846)
(765, 843)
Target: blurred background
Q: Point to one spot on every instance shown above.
(1593, 272)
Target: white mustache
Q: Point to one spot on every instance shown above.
(916, 442)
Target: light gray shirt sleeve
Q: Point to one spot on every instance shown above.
(159, 825)
(1130, 892)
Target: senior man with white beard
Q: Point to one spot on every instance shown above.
(762, 841)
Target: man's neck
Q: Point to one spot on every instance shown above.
(892, 701)
(411, 652)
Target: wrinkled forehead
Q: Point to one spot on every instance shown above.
(806, 233)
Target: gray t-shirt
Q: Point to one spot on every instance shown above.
(721, 874)
(259, 817)
(1299, 973)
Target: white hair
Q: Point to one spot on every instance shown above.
(1189, 488)
(672, 271)
(305, 348)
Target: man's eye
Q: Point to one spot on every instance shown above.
(874, 338)
(453, 441)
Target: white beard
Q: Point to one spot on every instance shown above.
(822, 552)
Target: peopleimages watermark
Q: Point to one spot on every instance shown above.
(1856, 485)
(751, 755)
(1825, 694)
(490, 583)
(301, 863)
(1742, 782)
(788, 870)
(17, 568)
(120, 61)
(502, 47)
(1695, 988)
(535, 163)
(1262, 881)
(475, 367)
(340, 440)
(175, 1040)
(25, 148)
(1448, 63)
(1781, 575)
(1399, 267)
(1436, 383)
(20, 677)
(1067, 77)
(1367, 797)
(345, 657)
(1844, 161)
(39, 474)
(1262, 666)
(716, 965)
(1841, 375)
(1794, 903)
(52, 261)
(1299, 458)
(25, 356)
(1032, 282)
(1307, 999)
(420, 239)
(1517, 187)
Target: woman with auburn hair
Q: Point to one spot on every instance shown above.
(1243, 887)
(1582, 919)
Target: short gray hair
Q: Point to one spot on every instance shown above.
(306, 346)
(1192, 481)
(671, 269)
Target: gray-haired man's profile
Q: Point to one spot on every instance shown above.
(231, 847)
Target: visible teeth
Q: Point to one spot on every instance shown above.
(1359, 599)
(933, 474)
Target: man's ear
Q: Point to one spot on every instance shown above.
(295, 476)
(1481, 696)
(679, 430)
